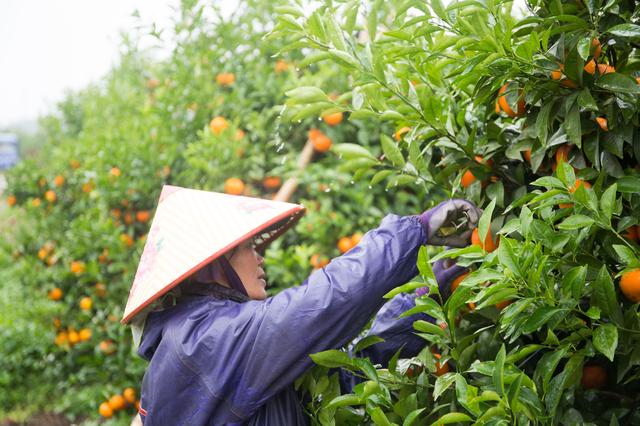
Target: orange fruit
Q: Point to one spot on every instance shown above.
(128, 218)
(117, 402)
(143, 216)
(107, 347)
(597, 48)
(605, 69)
(75, 164)
(631, 233)
(497, 108)
(129, 395)
(218, 125)
(42, 254)
(272, 182)
(103, 256)
(344, 244)
(355, 238)
(333, 119)
(569, 83)
(100, 289)
(563, 153)
(105, 410)
(590, 67)
(42, 182)
(488, 245)
(281, 66)
(314, 133)
(527, 155)
(318, 261)
(504, 104)
(322, 143)
(441, 369)
(61, 338)
(126, 239)
(238, 136)
(413, 371)
(57, 323)
(593, 377)
(501, 305)
(630, 285)
(36, 202)
(398, 134)
(12, 200)
(602, 122)
(467, 179)
(225, 78)
(556, 75)
(58, 180)
(86, 303)
(115, 172)
(87, 187)
(77, 267)
(578, 183)
(455, 283)
(55, 294)
(233, 186)
(73, 337)
(85, 334)
(152, 83)
(50, 196)
(638, 80)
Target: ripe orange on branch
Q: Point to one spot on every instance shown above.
(400, 132)
(322, 143)
(143, 216)
(602, 122)
(218, 125)
(86, 303)
(225, 78)
(55, 294)
(488, 244)
(593, 377)
(333, 119)
(345, 244)
(50, 196)
(105, 410)
(117, 402)
(129, 395)
(504, 103)
(630, 285)
(272, 182)
(233, 186)
(77, 267)
(58, 180)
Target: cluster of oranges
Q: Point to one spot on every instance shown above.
(119, 402)
(128, 217)
(47, 253)
(70, 336)
(347, 243)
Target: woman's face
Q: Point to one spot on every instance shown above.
(248, 265)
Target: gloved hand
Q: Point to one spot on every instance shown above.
(445, 270)
(446, 215)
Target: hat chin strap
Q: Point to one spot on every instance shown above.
(232, 277)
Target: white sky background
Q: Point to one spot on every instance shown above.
(47, 46)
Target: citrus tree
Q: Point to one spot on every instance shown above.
(211, 116)
(532, 115)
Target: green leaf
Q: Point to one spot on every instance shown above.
(392, 151)
(378, 417)
(605, 340)
(619, 83)
(331, 358)
(574, 281)
(572, 126)
(556, 388)
(629, 184)
(306, 95)
(380, 176)
(423, 265)
(542, 122)
(485, 221)
(626, 31)
(576, 221)
(443, 383)
(604, 295)
(452, 418)
(548, 182)
(413, 416)
(366, 342)
(405, 288)
(586, 101)
(352, 150)
(344, 400)
(334, 32)
(625, 254)
(547, 366)
(344, 58)
(608, 202)
(498, 370)
(507, 257)
(539, 318)
(427, 327)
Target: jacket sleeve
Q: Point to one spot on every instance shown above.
(252, 350)
(396, 332)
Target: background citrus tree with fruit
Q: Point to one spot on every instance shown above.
(533, 115)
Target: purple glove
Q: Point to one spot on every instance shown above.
(445, 270)
(445, 215)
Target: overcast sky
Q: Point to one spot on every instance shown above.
(49, 45)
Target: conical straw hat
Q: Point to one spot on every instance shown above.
(191, 228)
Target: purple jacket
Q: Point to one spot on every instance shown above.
(215, 361)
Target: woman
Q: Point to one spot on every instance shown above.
(221, 352)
